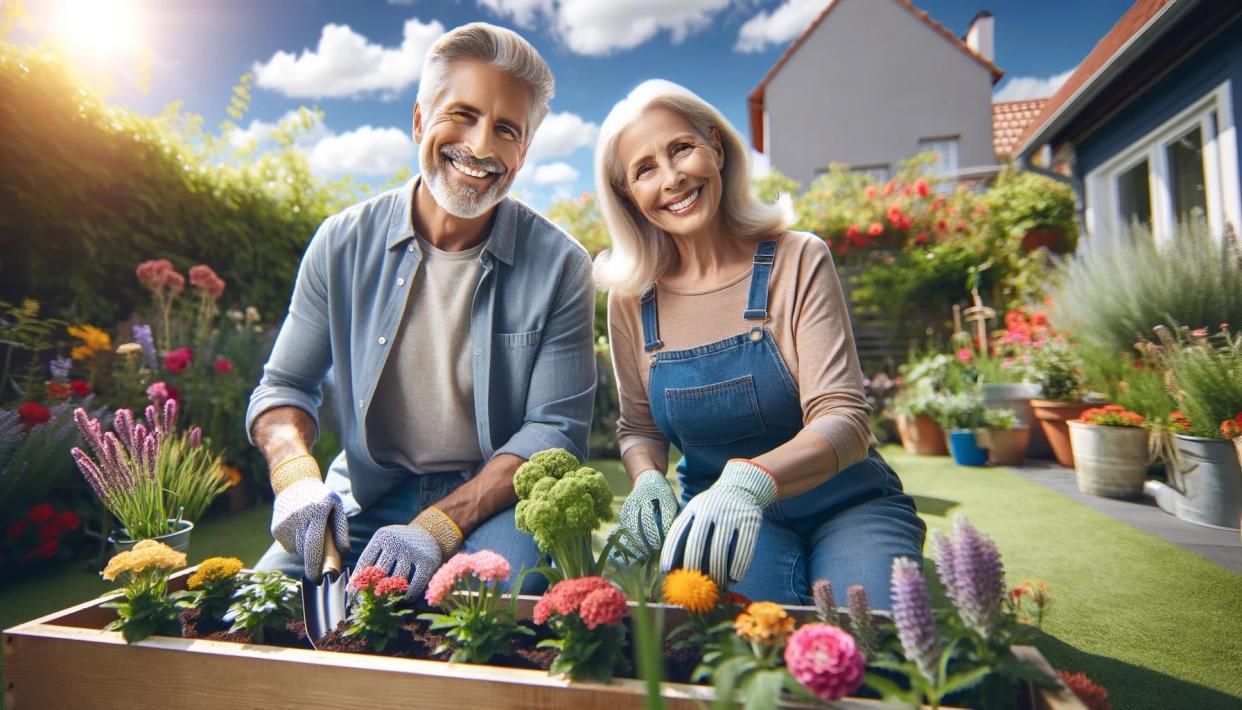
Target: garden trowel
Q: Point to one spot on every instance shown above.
(323, 604)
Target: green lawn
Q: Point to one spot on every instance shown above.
(1156, 625)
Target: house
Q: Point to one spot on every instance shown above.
(873, 82)
(1146, 127)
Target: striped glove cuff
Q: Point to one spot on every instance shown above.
(752, 478)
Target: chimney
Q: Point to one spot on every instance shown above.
(981, 34)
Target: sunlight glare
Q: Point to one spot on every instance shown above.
(98, 28)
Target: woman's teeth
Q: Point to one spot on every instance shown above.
(684, 204)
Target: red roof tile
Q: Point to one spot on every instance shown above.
(1009, 121)
(755, 103)
(1130, 23)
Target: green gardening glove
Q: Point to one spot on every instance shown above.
(646, 516)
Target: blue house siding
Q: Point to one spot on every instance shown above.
(1194, 76)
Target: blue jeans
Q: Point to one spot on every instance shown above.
(401, 504)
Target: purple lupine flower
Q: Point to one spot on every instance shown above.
(978, 576)
(170, 416)
(196, 437)
(912, 614)
(90, 430)
(861, 622)
(60, 367)
(123, 425)
(142, 336)
(90, 471)
(942, 555)
(150, 453)
(825, 602)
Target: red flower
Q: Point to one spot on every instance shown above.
(870, 192)
(603, 607)
(33, 413)
(922, 188)
(961, 226)
(907, 191)
(178, 360)
(875, 229)
(895, 216)
(1092, 695)
(16, 529)
(202, 276)
(366, 578)
(391, 585)
(49, 548)
(40, 513)
(68, 521)
(222, 366)
(852, 231)
(889, 187)
(57, 390)
(942, 225)
(81, 388)
(49, 531)
(921, 238)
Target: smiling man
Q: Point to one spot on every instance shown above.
(456, 324)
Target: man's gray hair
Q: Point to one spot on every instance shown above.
(495, 46)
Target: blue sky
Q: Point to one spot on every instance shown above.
(358, 60)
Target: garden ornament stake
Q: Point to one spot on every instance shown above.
(323, 603)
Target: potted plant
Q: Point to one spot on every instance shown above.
(917, 427)
(1058, 373)
(1006, 438)
(1035, 209)
(1110, 452)
(963, 417)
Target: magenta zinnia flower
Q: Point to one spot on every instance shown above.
(912, 614)
(826, 660)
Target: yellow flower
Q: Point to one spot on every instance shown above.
(129, 349)
(691, 589)
(763, 622)
(144, 555)
(213, 569)
(93, 340)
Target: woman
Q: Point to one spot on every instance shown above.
(730, 339)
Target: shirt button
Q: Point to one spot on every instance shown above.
(360, 404)
(410, 248)
(382, 340)
(400, 282)
(477, 352)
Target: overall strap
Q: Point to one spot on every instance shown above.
(651, 320)
(757, 303)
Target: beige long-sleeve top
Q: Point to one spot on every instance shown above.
(810, 326)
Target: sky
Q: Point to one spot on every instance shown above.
(359, 61)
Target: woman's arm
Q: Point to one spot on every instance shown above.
(643, 446)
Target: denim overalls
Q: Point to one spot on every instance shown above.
(735, 398)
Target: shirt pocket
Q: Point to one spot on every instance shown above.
(715, 414)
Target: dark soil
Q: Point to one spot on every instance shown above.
(196, 626)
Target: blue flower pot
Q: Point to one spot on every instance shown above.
(965, 448)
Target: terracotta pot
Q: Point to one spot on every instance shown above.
(1017, 396)
(1050, 239)
(921, 435)
(1052, 418)
(1109, 461)
(1007, 447)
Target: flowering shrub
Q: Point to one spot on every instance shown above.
(38, 535)
(147, 607)
(1112, 415)
(585, 615)
(264, 601)
(374, 614)
(468, 587)
(213, 585)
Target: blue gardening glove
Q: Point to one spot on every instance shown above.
(407, 551)
(646, 515)
(301, 515)
(717, 531)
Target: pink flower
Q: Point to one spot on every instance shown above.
(391, 585)
(158, 274)
(222, 366)
(826, 660)
(366, 578)
(489, 566)
(603, 607)
(484, 565)
(875, 229)
(160, 392)
(1199, 332)
(178, 360)
(965, 355)
(203, 277)
(566, 596)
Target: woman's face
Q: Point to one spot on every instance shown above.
(672, 173)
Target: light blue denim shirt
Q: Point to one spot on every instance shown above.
(531, 326)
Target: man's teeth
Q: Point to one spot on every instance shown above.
(469, 171)
(679, 206)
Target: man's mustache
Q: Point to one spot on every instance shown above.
(461, 155)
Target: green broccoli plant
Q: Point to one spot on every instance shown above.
(267, 600)
(561, 502)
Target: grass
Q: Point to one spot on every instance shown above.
(1153, 623)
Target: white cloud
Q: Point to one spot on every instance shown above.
(1031, 87)
(346, 64)
(555, 174)
(260, 132)
(778, 26)
(597, 28)
(364, 151)
(560, 135)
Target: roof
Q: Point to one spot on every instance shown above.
(1009, 122)
(1130, 24)
(755, 103)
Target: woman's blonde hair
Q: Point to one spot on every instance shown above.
(641, 252)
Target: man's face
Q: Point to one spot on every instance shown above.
(474, 139)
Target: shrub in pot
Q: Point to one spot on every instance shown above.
(1006, 438)
(916, 425)
(963, 416)
(1058, 372)
(1110, 452)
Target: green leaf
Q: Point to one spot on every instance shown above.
(725, 679)
(888, 689)
(1012, 667)
(962, 681)
(763, 690)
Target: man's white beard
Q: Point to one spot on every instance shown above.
(461, 201)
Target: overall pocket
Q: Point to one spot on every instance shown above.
(714, 414)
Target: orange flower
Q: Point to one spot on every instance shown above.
(763, 622)
(691, 589)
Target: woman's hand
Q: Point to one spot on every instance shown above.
(647, 515)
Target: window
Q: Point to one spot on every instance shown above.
(946, 154)
(1186, 168)
(878, 172)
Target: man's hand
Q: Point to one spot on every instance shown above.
(304, 511)
(717, 531)
(413, 551)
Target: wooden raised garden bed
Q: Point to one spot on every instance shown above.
(65, 660)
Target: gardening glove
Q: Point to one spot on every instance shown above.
(414, 551)
(717, 531)
(305, 509)
(646, 515)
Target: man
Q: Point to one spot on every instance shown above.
(457, 324)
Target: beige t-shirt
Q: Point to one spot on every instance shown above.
(809, 323)
(422, 418)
